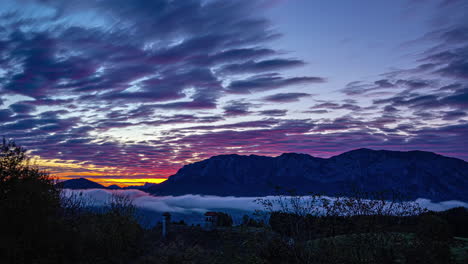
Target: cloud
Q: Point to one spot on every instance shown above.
(273, 112)
(268, 82)
(237, 108)
(454, 115)
(140, 88)
(261, 66)
(188, 204)
(156, 55)
(456, 99)
(22, 108)
(243, 54)
(5, 115)
(413, 84)
(174, 204)
(384, 86)
(336, 106)
(156, 66)
(285, 97)
(384, 83)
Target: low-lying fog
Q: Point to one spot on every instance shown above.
(191, 207)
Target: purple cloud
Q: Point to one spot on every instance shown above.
(285, 97)
(261, 66)
(268, 82)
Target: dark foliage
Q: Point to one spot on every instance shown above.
(251, 222)
(457, 219)
(223, 219)
(29, 205)
(37, 225)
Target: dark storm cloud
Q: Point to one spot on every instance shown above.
(285, 97)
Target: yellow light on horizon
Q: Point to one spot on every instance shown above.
(132, 181)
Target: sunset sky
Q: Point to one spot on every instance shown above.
(127, 92)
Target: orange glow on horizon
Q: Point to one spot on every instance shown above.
(128, 182)
(66, 170)
(122, 182)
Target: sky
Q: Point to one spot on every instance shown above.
(127, 92)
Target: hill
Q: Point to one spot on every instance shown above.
(80, 183)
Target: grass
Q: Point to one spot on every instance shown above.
(458, 246)
(460, 250)
(461, 238)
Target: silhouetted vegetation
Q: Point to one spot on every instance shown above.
(29, 206)
(223, 219)
(248, 221)
(358, 229)
(39, 224)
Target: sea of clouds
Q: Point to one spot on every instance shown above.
(189, 204)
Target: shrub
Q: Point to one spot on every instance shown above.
(433, 228)
(223, 219)
(29, 204)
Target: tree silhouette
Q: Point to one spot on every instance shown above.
(29, 203)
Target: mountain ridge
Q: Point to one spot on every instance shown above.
(419, 173)
(80, 183)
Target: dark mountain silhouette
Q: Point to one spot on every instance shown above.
(80, 183)
(113, 187)
(141, 187)
(415, 173)
(83, 183)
